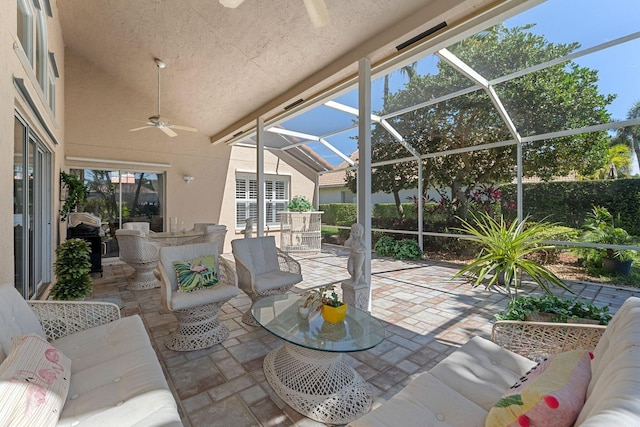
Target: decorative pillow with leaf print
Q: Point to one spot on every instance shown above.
(196, 274)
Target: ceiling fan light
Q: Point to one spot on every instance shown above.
(317, 11)
(232, 4)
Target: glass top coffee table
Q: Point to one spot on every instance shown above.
(308, 372)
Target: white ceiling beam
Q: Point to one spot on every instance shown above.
(288, 132)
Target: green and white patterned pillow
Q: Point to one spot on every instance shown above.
(196, 274)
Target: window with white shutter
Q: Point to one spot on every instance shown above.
(276, 198)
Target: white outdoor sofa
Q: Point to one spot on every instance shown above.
(462, 388)
(116, 379)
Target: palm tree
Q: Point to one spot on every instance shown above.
(408, 70)
(632, 133)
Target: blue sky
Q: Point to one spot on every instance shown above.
(588, 22)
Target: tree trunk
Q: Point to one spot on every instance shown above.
(134, 207)
(396, 198)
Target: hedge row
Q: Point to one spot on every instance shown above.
(569, 203)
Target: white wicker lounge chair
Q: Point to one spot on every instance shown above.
(197, 311)
(263, 270)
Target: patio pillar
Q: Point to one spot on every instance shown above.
(260, 176)
(364, 165)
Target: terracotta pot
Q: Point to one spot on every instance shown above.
(334, 314)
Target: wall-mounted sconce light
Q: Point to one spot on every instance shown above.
(187, 178)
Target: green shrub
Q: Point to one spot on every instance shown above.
(72, 269)
(300, 204)
(565, 309)
(407, 249)
(569, 202)
(385, 246)
(339, 213)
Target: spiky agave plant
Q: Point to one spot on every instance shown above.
(504, 250)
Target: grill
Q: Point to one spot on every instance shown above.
(87, 227)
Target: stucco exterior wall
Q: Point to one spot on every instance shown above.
(14, 65)
(101, 110)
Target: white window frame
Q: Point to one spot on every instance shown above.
(41, 52)
(51, 88)
(28, 28)
(277, 197)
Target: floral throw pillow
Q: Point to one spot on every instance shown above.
(196, 274)
(34, 382)
(551, 394)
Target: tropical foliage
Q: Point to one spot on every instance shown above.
(559, 97)
(76, 193)
(505, 254)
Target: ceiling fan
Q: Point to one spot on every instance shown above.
(158, 121)
(316, 9)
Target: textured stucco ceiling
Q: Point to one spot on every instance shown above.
(223, 64)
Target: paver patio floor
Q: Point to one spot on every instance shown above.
(426, 314)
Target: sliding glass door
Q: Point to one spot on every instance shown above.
(119, 196)
(31, 211)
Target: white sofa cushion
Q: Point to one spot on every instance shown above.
(34, 381)
(458, 391)
(614, 390)
(16, 318)
(115, 376)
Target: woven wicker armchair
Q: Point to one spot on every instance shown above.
(212, 234)
(197, 311)
(536, 340)
(263, 270)
(141, 254)
(142, 226)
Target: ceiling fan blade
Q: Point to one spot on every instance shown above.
(168, 131)
(187, 128)
(140, 128)
(317, 11)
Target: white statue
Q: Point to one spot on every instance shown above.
(357, 249)
(248, 228)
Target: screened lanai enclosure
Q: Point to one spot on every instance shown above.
(533, 113)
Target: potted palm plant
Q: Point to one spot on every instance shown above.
(505, 253)
(599, 228)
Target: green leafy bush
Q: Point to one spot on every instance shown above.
(407, 249)
(385, 246)
(300, 204)
(339, 213)
(398, 249)
(565, 309)
(72, 269)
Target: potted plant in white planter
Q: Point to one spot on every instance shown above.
(505, 254)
